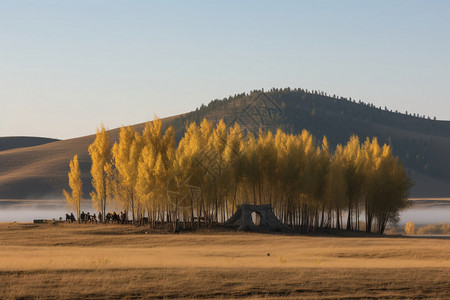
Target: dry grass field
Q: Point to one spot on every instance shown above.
(71, 261)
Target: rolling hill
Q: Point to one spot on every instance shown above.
(13, 142)
(40, 172)
(423, 144)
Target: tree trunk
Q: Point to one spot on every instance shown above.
(192, 209)
(323, 216)
(78, 211)
(132, 206)
(338, 224)
(175, 217)
(349, 215)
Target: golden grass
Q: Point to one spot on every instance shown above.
(105, 261)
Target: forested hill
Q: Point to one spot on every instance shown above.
(421, 143)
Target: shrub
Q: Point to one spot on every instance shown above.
(440, 228)
(410, 228)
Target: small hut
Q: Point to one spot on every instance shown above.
(256, 218)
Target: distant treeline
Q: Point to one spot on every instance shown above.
(214, 168)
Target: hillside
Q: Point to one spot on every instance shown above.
(40, 172)
(421, 143)
(13, 142)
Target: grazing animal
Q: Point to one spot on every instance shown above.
(108, 217)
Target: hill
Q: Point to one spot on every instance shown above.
(421, 143)
(13, 142)
(40, 172)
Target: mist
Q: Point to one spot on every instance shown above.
(424, 216)
(29, 210)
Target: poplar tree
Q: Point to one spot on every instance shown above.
(100, 153)
(320, 171)
(372, 160)
(147, 187)
(190, 168)
(76, 185)
(353, 164)
(217, 143)
(155, 166)
(267, 161)
(232, 157)
(126, 155)
(252, 174)
(393, 184)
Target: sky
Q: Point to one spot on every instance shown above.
(68, 66)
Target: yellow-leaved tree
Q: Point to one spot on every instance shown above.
(126, 155)
(319, 179)
(216, 144)
(233, 159)
(154, 167)
(353, 165)
(76, 185)
(336, 184)
(100, 152)
(410, 228)
(189, 164)
(391, 194)
(372, 161)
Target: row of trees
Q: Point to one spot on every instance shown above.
(214, 168)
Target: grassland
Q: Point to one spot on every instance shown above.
(114, 262)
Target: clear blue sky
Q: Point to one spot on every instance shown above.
(66, 66)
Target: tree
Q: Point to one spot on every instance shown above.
(410, 228)
(100, 153)
(76, 185)
(217, 143)
(252, 171)
(126, 154)
(320, 171)
(146, 185)
(188, 168)
(393, 189)
(354, 178)
(267, 162)
(232, 157)
(154, 166)
(371, 161)
(336, 184)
